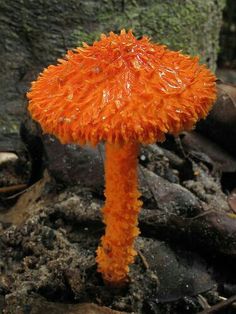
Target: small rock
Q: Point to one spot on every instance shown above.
(220, 124)
(207, 151)
(7, 157)
(73, 164)
(168, 197)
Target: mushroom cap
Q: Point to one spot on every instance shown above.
(121, 89)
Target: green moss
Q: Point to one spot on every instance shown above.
(9, 124)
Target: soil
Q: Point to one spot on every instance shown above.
(50, 230)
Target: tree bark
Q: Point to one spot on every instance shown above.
(36, 33)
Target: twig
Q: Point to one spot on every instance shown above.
(13, 188)
(143, 258)
(219, 306)
(210, 211)
(203, 302)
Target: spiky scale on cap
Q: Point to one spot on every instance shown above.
(121, 89)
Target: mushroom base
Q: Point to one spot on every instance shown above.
(120, 213)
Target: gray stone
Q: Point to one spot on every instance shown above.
(169, 197)
(73, 164)
(220, 126)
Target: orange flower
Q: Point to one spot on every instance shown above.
(123, 91)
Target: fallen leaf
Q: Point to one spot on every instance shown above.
(20, 211)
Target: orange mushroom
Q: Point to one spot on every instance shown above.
(123, 91)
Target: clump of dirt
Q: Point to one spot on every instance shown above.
(48, 254)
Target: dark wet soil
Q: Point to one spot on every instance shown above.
(50, 228)
(49, 233)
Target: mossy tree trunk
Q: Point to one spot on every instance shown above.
(36, 33)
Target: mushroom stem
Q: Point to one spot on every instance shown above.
(120, 213)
